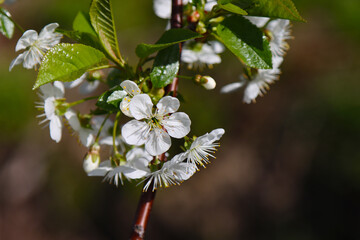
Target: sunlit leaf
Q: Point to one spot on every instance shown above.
(67, 62)
(102, 20)
(276, 9)
(246, 41)
(166, 66)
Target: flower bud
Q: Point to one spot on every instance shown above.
(206, 82)
(92, 158)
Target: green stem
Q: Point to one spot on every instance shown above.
(114, 131)
(185, 77)
(101, 127)
(12, 20)
(82, 100)
(103, 67)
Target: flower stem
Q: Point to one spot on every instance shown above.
(12, 20)
(147, 198)
(114, 131)
(82, 100)
(101, 127)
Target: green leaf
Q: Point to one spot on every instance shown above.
(82, 24)
(246, 41)
(116, 97)
(7, 27)
(275, 9)
(103, 104)
(67, 62)
(102, 20)
(170, 37)
(231, 6)
(166, 66)
(82, 37)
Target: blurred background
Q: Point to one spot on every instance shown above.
(288, 166)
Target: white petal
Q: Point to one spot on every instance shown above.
(89, 87)
(133, 173)
(177, 125)
(32, 58)
(49, 107)
(55, 128)
(48, 30)
(86, 136)
(162, 8)
(76, 82)
(130, 87)
(217, 46)
(231, 87)
(18, 60)
(26, 40)
(137, 153)
(73, 119)
(141, 106)
(258, 21)
(251, 91)
(89, 165)
(209, 5)
(103, 168)
(167, 105)
(135, 132)
(158, 142)
(189, 56)
(216, 134)
(125, 106)
(59, 89)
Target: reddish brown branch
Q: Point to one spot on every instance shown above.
(147, 198)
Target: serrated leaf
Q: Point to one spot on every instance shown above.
(170, 37)
(102, 20)
(276, 9)
(115, 97)
(82, 37)
(67, 62)
(231, 6)
(7, 27)
(166, 66)
(246, 41)
(103, 104)
(82, 23)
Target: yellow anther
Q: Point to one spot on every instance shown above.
(128, 100)
(133, 90)
(124, 87)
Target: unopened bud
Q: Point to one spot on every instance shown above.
(92, 158)
(193, 17)
(201, 28)
(206, 82)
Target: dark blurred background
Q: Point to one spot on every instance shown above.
(288, 166)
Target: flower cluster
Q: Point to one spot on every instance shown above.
(278, 31)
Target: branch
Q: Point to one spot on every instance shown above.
(147, 198)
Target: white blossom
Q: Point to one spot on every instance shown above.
(153, 129)
(173, 172)
(35, 46)
(198, 55)
(278, 31)
(92, 158)
(135, 167)
(85, 86)
(50, 94)
(203, 147)
(131, 90)
(86, 135)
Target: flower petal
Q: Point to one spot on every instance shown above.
(133, 173)
(141, 106)
(73, 119)
(18, 60)
(26, 40)
(158, 142)
(231, 87)
(177, 125)
(103, 168)
(55, 128)
(167, 105)
(135, 132)
(162, 8)
(124, 106)
(130, 87)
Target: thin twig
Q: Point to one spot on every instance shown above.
(147, 198)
